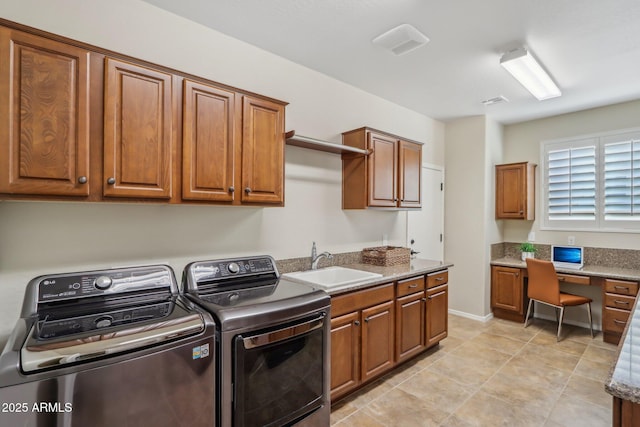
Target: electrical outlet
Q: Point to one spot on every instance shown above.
(385, 240)
(571, 240)
(532, 236)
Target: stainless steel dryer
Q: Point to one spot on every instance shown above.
(116, 347)
(273, 352)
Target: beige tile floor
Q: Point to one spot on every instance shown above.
(492, 374)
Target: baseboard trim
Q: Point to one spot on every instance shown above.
(472, 316)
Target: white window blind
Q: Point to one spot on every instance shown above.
(572, 183)
(622, 180)
(592, 183)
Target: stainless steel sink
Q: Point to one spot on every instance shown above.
(331, 277)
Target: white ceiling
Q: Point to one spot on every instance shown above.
(590, 47)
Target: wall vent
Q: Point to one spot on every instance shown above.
(496, 100)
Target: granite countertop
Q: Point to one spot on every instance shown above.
(587, 270)
(624, 377)
(389, 274)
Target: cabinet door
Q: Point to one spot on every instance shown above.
(207, 143)
(382, 170)
(44, 101)
(506, 289)
(262, 151)
(377, 340)
(409, 325)
(515, 191)
(510, 191)
(410, 174)
(138, 140)
(437, 314)
(345, 353)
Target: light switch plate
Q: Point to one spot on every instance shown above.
(571, 240)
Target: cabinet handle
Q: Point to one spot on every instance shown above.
(111, 181)
(247, 190)
(622, 302)
(517, 274)
(521, 212)
(415, 285)
(366, 319)
(619, 322)
(622, 287)
(82, 180)
(357, 323)
(232, 189)
(423, 299)
(439, 279)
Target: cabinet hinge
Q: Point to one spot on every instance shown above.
(441, 237)
(441, 186)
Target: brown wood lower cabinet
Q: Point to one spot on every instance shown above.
(507, 293)
(377, 340)
(362, 337)
(374, 329)
(345, 352)
(625, 413)
(437, 314)
(409, 325)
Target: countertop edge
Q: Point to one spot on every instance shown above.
(391, 274)
(587, 270)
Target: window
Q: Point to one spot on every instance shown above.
(592, 183)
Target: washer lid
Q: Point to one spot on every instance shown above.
(68, 340)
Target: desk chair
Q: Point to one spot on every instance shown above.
(544, 288)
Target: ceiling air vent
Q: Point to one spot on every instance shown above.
(401, 39)
(496, 100)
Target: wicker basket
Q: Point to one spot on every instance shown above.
(386, 255)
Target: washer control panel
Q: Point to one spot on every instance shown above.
(228, 268)
(53, 328)
(95, 283)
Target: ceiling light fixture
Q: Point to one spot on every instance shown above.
(401, 39)
(524, 67)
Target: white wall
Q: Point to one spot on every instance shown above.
(493, 228)
(48, 237)
(472, 145)
(522, 143)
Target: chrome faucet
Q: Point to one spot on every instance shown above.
(316, 258)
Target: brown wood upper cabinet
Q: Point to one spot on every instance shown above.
(389, 177)
(44, 101)
(222, 164)
(515, 191)
(138, 132)
(262, 151)
(208, 155)
(78, 122)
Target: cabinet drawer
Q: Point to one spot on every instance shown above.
(437, 279)
(614, 320)
(573, 278)
(409, 286)
(623, 302)
(623, 287)
(361, 299)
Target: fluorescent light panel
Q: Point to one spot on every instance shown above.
(524, 67)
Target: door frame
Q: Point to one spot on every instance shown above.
(439, 168)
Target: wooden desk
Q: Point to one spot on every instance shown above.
(619, 289)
